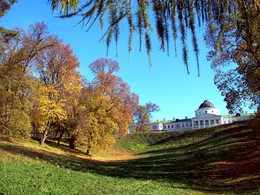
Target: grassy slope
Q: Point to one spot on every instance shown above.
(219, 160)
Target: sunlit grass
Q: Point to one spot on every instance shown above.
(35, 176)
(223, 160)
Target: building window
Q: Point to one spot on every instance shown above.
(168, 126)
(217, 121)
(164, 126)
(182, 125)
(201, 122)
(212, 122)
(172, 126)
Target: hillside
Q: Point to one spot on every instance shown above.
(220, 160)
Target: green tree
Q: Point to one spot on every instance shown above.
(142, 117)
(5, 5)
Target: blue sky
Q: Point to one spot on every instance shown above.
(166, 83)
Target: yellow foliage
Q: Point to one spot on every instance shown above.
(50, 107)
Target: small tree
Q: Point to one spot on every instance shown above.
(142, 116)
(142, 119)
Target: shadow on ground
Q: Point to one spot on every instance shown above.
(226, 161)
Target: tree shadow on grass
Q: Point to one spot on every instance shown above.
(211, 165)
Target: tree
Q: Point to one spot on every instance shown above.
(142, 116)
(165, 13)
(18, 49)
(106, 106)
(151, 107)
(235, 54)
(96, 127)
(142, 119)
(5, 5)
(61, 85)
(49, 110)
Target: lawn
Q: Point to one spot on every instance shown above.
(223, 160)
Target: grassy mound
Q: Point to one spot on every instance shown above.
(218, 160)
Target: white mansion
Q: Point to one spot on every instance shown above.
(207, 115)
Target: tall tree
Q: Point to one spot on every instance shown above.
(16, 78)
(61, 84)
(96, 127)
(235, 54)
(106, 106)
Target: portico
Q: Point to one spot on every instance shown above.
(206, 120)
(207, 115)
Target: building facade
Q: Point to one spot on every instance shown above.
(207, 115)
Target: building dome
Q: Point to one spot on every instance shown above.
(206, 104)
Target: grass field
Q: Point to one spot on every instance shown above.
(222, 160)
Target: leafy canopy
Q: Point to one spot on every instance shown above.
(139, 14)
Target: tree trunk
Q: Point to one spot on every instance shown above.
(61, 134)
(88, 151)
(72, 142)
(43, 137)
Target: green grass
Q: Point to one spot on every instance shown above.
(222, 160)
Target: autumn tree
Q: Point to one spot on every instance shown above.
(106, 106)
(49, 110)
(61, 85)
(16, 79)
(235, 54)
